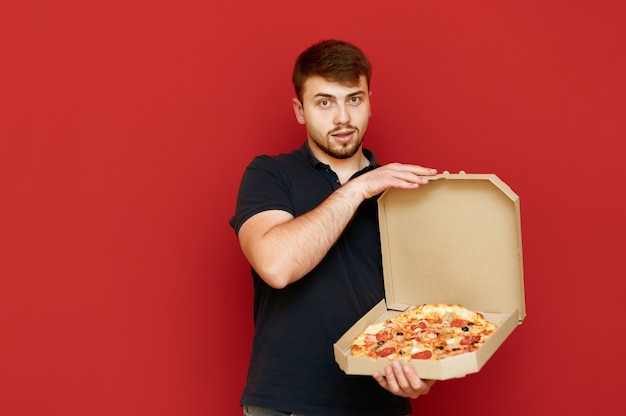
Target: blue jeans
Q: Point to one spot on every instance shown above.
(261, 411)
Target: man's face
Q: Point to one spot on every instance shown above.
(335, 115)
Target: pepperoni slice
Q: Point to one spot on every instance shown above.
(422, 355)
(384, 336)
(470, 339)
(457, 323)
(420, 325)
(386, 351)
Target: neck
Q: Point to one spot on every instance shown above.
(345, 168)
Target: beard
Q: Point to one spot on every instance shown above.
(339, 151)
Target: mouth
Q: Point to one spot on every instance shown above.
(344, 135)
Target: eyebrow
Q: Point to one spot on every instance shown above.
(325, 95)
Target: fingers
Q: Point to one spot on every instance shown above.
(409, 174)
(381, 380)
(417, 169)
(392, 175)
(402, 380)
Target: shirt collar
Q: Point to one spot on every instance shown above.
(308, 154)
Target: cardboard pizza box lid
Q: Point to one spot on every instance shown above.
(456, 240)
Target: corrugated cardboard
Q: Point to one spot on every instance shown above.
(456, 240)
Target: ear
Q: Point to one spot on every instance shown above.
(298, 110)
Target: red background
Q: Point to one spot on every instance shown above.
(125, 127)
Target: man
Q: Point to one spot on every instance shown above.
(307, 222)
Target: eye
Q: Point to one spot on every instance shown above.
(354, 100)
(325, 103)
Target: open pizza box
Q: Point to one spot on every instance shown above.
(456, 240)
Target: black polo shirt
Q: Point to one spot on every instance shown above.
(292, 367)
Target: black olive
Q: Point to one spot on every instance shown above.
(380, 343)
(399, 334)
(455, 349)
(465, 329)
(440, 347)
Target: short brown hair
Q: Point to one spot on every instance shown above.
(333, 60)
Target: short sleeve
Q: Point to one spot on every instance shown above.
(262, 188)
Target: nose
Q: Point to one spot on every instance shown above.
(342, 114)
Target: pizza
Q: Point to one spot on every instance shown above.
(427, 332)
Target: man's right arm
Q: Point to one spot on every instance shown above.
(282, 249)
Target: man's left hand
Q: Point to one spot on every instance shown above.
(402, 380)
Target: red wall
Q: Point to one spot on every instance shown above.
(125, 127)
